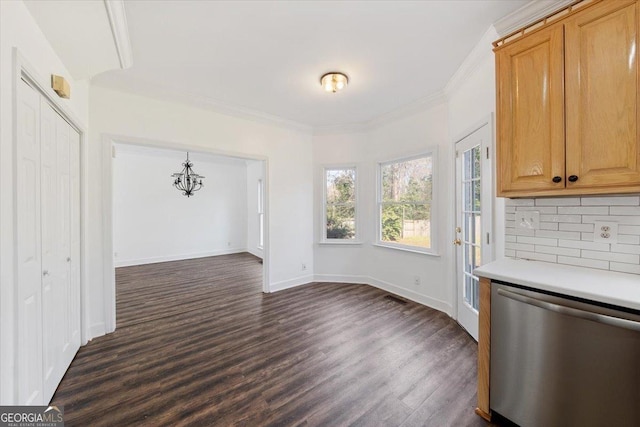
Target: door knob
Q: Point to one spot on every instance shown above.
(573, 178)
(557, 179)
(457, 242)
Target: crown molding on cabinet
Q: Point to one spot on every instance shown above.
(527, 14)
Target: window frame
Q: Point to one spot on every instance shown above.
(433, 229)
(323, 223)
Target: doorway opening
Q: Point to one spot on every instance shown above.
(152, 225)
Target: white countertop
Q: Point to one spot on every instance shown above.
(610, 287)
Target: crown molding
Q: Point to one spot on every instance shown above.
(120, 31)
(405, 111)
(527, 14)
(480, 52)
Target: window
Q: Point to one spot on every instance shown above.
(260, 214)
(340, 204)
(405, 192)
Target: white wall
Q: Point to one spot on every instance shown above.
(289, 177)
(19, 30)
(255, 172)
(471, 96)
(154, 222)
(391, 269)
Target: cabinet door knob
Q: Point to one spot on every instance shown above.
(573, 178)
(45, 272)
(557, 179)
(68, 259)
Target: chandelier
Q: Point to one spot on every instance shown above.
(187, 180)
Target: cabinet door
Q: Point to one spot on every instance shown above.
(530, 116)
(602, 82)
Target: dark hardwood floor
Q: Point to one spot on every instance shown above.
(198, 343)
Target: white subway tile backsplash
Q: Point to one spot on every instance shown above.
(581, 244)
(561, 218)
(620, 219)
(541, 209)
(625, 268)
(628, 239)
(519, 202)
(566, 232)
(625, 249)
(549, 226)
(572, 235)
(583, 262)
(629, 229)
(538, 241)
(557, 250)
(519, 246)
(519, 231)
(536, 256)
(625, 210)
(584, 210)
(612, 256)
(587, 228)
(564, 201)
(611, 201)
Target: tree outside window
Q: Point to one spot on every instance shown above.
(340, 204)
(406, 191)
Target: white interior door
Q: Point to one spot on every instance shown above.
(74, 250)
(29, 256)
(48, 242)
(473, 221)
(52, 274)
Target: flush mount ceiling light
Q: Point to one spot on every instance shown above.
(334, 81)
(187, 180)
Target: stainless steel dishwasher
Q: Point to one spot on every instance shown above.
(559, 361)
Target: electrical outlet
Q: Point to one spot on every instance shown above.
(528, 219)
(304, 266)
(229, 244)
(416, 280)
(115, 254)
(605, 232)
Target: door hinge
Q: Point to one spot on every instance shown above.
(457, 154)
(487, 152)
(488, 239)
(113, 152)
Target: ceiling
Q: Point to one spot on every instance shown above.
(266, 57)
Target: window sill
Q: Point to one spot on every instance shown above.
(407, 249)
(339, 243)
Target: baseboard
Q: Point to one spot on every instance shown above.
(96, 330)
(256, 253)
(412, 295)
(153, 260)
(341, 278)
(386, 286)
(292, 283)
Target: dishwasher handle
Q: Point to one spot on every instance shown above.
(570, 311)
